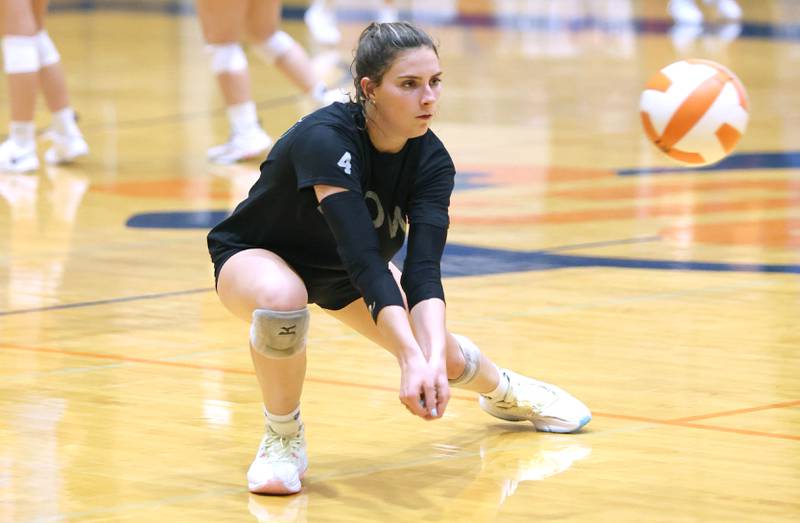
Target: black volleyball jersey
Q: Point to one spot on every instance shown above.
(332, 147)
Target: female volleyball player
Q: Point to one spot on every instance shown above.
(224, 24)
(320, 225)
(31, 61)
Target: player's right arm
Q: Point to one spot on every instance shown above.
(326, 161)
(357, 243)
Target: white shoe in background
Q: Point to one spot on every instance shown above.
(333, 95)
(387, 13)
(64, 149)
(729, 10)
(242, 145)
(322, 24)
(685, 12)
(18, 159)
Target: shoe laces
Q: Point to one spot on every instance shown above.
(281, 448)
(531, 394)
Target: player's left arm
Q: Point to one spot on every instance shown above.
(428, 214)
(422, 283)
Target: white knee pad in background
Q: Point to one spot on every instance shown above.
(48, 54)
(279, 334)
(226, 58)
(20, 54)
(275, 46)
(472, 360)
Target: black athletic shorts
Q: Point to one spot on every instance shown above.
(330, 289)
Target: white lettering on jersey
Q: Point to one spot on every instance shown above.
(378, 220)
(344, 162)
(396, 220)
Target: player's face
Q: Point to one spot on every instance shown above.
(409, 91)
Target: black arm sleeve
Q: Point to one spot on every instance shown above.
(422, 277)
(357, 244)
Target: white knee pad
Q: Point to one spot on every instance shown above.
(275, 46)
(20, 54)
(279, 334)
(472, 360)
(48, 54)
(227, 58)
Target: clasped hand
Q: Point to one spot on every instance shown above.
(424, 389)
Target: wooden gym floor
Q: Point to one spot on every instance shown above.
(667, 299)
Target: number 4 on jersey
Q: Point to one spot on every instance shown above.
(344, 162)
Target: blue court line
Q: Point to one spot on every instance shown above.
(735, 162)
(465, 260)
(790, 32)
(166, 7)
(177, 219)
(106, 301)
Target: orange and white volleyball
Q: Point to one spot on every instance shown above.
(695, 111)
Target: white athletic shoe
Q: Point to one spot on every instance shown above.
(685, 12)
(333, 95)
(17, 159)
(387, 14)
(65, 149)
(729, 9)
(322, 24)
(242, 145)
(280, 463)
(549, 408)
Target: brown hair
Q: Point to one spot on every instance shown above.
(378, 46)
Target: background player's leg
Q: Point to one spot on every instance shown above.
(21, 64)
(277, 47)
(222, 22)
(67, 141)
(260, 280)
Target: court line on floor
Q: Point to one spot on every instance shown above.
(543, 310)
(92, 303)
(717, 428)
(680, 422)
(739, 411)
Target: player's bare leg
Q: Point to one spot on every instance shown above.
(259, 287)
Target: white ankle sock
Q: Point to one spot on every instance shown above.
(502, 388)
(22, 133)
(64, 122)
(243, 116)
(285, 425)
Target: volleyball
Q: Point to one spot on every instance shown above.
(694, 111)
